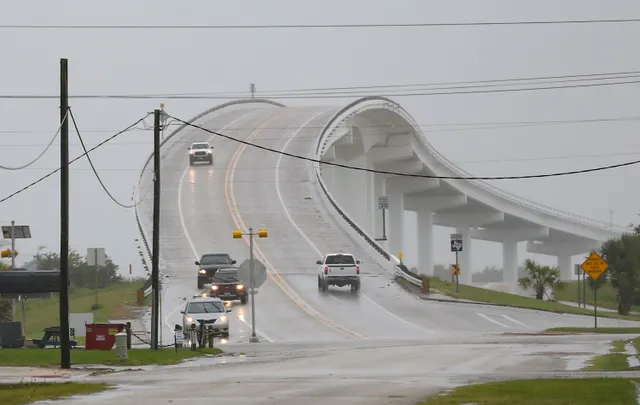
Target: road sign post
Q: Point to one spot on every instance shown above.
(578, 271)
(261, 233)
(456, 246)
(96, 258)
(383, 205)
(594, 266)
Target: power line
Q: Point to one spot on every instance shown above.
(41, 154)
(28, 186)
(469, 127)
(86, 153)
(424, 176)
(325, 95)
(324, 26)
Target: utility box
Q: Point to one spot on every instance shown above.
(11, 335)
(121, 345)
(102, 336)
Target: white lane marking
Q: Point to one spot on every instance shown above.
(286, 211)
(513, 320)
(184, 226)
(493, 320)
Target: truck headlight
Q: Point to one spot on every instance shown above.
(189, 319)
(239, 287)
(202, 271)
(214, 287)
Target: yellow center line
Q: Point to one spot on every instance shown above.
(239, 222)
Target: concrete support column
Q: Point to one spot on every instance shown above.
(425, 242)
(395, 222)
(372, 205)
(564, 265)
(465, 256)
(509, 262)
(379, 189)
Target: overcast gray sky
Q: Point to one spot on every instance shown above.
(181, 61)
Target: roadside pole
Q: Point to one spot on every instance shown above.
(262, 233)
(456, 246)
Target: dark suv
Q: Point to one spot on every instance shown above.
(226, 286)
(209, 263)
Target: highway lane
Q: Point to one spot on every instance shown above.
(301, 230)
(208, 227)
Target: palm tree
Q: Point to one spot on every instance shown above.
(539, 278)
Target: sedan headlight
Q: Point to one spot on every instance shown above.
(214, 287)
(189, 319)
(223, 318)
(239, 287)
(202, 271)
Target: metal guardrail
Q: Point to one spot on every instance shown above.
(144, 245)
(341, 117)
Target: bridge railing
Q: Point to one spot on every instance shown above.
(144, 248)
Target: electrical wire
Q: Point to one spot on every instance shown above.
(367, 90)
(43, 152)
(424, 176)
(86, 153)
(469, 126)
(41, 179)
(331, 26)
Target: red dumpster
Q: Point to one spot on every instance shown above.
(102, 336)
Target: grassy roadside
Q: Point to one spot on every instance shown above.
(592, 391)
(511, 300)
(137, 357)
(612, 331)
(617, 359)
(606, 295)
(21, 394)
(116, 302)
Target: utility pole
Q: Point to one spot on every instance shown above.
(65, 350)
(155, 272)
(13, 266)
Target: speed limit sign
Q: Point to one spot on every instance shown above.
(383, 202)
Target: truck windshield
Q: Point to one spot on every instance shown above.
(200, 146)
(205, 307)
(226, 276)
(340, 259)
(215, 259)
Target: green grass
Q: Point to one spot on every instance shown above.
(616, 360)
(606, 295)
(137, 357)
(44, 313)
(612, 331)
(596, 391)
(500, 298)
(21, 394)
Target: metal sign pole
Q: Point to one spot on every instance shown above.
(457, 274)
(13, 264)
(384, 225)
(254, 338)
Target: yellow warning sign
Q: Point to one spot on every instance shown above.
(455, 269)
(594, 266)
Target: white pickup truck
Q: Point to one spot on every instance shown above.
(339, 269)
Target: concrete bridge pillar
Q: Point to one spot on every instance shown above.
(395, 223)
(564, 265)
(425, 241)
(509, 262)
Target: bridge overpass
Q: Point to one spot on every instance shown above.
(309, 209)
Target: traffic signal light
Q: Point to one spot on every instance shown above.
(237, 234)
(262, 233)
(7, 253)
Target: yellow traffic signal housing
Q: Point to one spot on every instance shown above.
(7, 253)
(237, 234)
(262, 233)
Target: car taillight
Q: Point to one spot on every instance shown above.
(358, 270)
(326, 270)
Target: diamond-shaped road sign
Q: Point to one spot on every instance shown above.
(259, 273)
(594, 266)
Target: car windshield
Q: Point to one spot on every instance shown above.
(226, 276)
(200, 146)
(215, 259)
(205, 307)
(340, 259)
